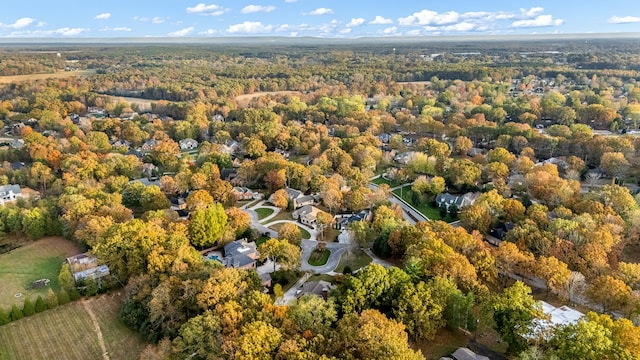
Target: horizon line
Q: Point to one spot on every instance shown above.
(262, 38)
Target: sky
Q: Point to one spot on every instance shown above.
(326, 18)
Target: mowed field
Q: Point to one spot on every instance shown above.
(41, 259)
(85, 329)
(58, 75)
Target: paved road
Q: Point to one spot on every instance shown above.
(337, 250)
(290, 295)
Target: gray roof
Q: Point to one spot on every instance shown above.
(5, 189)
(466, 354)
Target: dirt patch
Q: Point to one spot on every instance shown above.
(245, 99)
(32, 77)
(96, 326)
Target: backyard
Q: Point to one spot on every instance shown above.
(356, 260)
(86, 329)
(41, 259)
(428, 210)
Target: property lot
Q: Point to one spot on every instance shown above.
(41, 259)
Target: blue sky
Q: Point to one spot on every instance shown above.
(327, 18)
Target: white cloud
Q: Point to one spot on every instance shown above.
(428, 17)
(345, 31)
(463, 26)
(320, 11)
(533, 12)
(249, 27)
(390, 30)
(183, 32)
(123, 28)
(293, 33)
(414, 32)
(379, 20)
(103, 16)
(355, 22)
(257, 8)
(41, 24)
(19, 24)
(290, 1)
(203, 9)
(208, 32)
(70, 31)
(539, 21)
(624, 19)
(157, 20)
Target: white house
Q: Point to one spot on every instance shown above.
(9, 193)
(188, 144)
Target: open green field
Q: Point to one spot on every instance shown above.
(433, 213)
(85, 329)
(41, 259)
(58, 75)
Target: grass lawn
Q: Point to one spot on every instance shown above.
(331, 235)
(41, 259)
(321, 277)
(282, 215)
(319, 258)
(263, 212)
(381, 180)
(261, 240)
(433, 213)
(444, 343)
(69, 332)
(356, 260)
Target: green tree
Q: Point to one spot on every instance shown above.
(586, 340)
(65, 278)
(311, 312)
(200, 337)
(4, 317)
(63, 297)
(370, 335)
(16, 313)
(281, 252)
(418, 311)
(207, 225)
(40, 304)
(28, 309)
(52, 299)
(259, 340)
(513, 312)
(34, 223)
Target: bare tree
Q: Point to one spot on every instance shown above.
(593, 178)
(576, 286)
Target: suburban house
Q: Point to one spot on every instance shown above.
(9, 193)
(501, 230)
(307, 215)
(230, 147)
(121, 144)
(188, 144)
(555, 317)
(149, 145)
(460, 201)
(86, 266)
(464, 354)
(241, 254)
(320, 288)
(17, 143)
(405, 157)
(178, 202)
(243, 193)
(343, 220)
(149, 170)
(297, 198)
